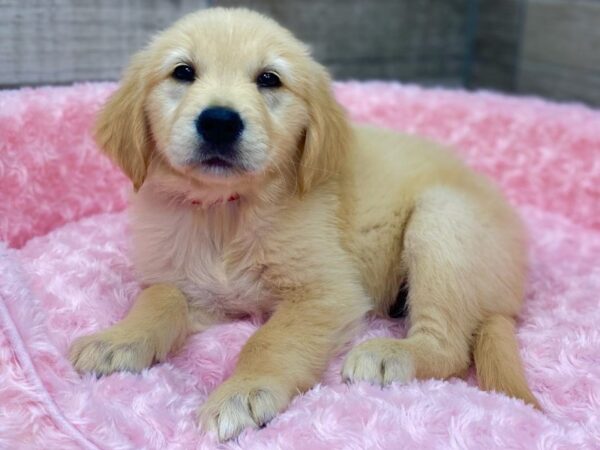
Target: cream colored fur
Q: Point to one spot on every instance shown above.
(331, 219)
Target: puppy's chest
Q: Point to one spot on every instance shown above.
(219, 274)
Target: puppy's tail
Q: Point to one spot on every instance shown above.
(497, 359)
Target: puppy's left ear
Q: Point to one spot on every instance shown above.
(122, 129)
(328, 134)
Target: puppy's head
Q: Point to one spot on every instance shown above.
(228, 98)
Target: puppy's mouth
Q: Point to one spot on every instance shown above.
(217, 163)
(220, 166)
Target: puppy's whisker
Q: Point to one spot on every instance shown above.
(319, 169)
(284, 176)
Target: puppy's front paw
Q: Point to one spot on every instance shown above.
(240, 403)
(379, 361)
(112, 350)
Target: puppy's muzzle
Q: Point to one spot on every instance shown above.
(219, 132)
(219, 127)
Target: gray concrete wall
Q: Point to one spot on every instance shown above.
(560, 54)
(61, 41)
(420, 40)
(542, 47)
(497, 44)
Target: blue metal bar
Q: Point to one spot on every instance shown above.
(471, 23)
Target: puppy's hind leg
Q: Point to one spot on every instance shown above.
(457, 267)
(156, 324)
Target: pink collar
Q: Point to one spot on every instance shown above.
(232, 198)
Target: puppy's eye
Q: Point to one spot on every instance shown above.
(268, 80)
(183, 72)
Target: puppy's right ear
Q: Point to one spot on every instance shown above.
(122, 129)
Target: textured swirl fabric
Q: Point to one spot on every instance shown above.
(65, 271)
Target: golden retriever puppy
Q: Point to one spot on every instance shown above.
(256, 196)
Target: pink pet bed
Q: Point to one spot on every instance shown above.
(65, 271)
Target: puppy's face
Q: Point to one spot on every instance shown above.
(228, 101)
(223, 97)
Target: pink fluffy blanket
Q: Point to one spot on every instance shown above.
(65, 271)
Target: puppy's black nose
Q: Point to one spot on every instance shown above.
(219, 126)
